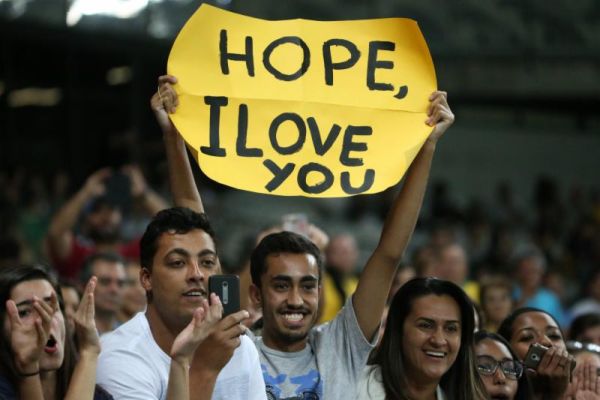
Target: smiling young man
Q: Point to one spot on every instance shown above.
(178, 255)
(298, 360)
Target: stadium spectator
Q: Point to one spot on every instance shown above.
(425, 352)
(102, 219)
(496, 302)
(180, 344)
(134, 296)
(38, 359)
(339, 279)
(526, 326)
(453, 266)
(109, 268)
(500, 369)
(586, 328)
(530, 266)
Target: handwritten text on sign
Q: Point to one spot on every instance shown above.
(302, 107)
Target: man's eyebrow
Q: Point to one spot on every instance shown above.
(179, 251)
(309, 279)
(207, 252)
(286, 278)
(185, 253)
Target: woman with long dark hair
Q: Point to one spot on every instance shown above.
(426, 351)
(38, 359)
(500, 369)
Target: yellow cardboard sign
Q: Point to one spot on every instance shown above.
(300, 107)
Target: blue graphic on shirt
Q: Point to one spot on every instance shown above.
(310, 386)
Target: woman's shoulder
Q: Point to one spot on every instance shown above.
(370, 386)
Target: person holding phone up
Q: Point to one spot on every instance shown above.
(180, 347)
(549, 368)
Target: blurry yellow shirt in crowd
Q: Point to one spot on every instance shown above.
(332, 302)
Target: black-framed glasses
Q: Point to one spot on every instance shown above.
(487, 365)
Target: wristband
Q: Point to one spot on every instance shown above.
(29, 374)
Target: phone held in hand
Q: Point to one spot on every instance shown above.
(227, 287)
(534, 355)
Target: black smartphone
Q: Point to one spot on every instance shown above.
(534, 355)
(118, 191)
(227, 287)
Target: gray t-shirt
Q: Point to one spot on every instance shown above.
(329, 367)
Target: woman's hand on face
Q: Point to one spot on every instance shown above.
(555, 369)
(85, 324)
(28, 338)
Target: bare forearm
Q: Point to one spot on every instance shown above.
(183, 186)
(66, 218)
(371, 293)
(59, 233)
(83, 381)
(402, 218)
(30, 388)
(179, 381)
(202, 385)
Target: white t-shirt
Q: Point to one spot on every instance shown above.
(370, 386)
(132, 366)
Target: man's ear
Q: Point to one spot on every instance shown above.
(255, 295)
(145, 280)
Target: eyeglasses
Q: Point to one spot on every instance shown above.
(487, 365)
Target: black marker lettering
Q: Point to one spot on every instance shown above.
(274, 71)
(366, 185)
(348, 145)
(374, 63)
(320, 147)
(240, 144)
(329, 65)
(319, 187)
(225, 56)
(215, 104)
(279, 174)
(295, 147)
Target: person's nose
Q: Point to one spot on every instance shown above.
(294, 298)
(195, 273)
(499, 377)
(438, 338)
(545, 341)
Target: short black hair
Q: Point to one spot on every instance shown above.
(281, 242)
(179, 220)
(582, 323)
(88, 263)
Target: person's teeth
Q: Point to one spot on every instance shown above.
(193, 294)
(435, 353)
(293, 317)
